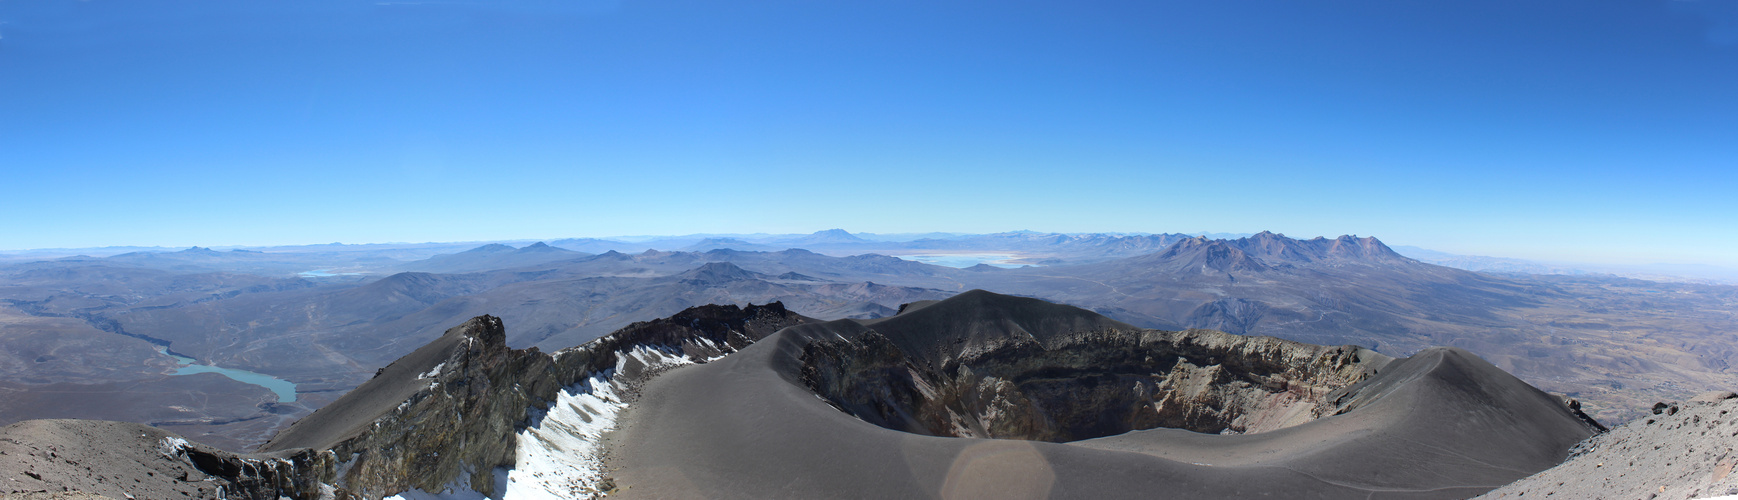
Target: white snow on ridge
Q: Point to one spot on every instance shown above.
(432, 372)
(171, 446)
(652, 357)
(558, 455)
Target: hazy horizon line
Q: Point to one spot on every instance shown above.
(646, 238)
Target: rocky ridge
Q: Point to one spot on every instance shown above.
(1106, 378)
(448, 415)
(460, 426)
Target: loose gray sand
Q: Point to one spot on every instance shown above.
(1685, 451)
(1441, 424)
(113, 459)
(52, 496)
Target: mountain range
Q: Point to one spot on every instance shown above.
(98, 326)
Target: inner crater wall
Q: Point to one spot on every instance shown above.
(1088, 385)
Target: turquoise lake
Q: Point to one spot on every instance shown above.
(285, 390)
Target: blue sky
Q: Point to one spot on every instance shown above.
(1569, 130)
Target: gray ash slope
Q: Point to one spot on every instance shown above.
(1340, 422)
(1085, 407)
(1684, 450)
(126, 460)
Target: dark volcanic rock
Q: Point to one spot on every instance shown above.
(1713, 397)
(127, 460)
(448, 412)
(986, 365)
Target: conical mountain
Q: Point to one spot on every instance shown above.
(978, 320)
(827, 237)
(717, 273)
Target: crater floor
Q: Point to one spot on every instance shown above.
(1081, 406)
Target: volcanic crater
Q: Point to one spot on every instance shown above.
(1073, 376)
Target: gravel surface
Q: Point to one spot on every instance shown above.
(1683, 450)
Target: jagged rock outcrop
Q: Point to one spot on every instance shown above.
(127, 460)
(448, 413)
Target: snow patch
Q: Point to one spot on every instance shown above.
(723, 350)
(458, 491)
(432, 372)
(653, 357)
(558, 455)
(171, 446)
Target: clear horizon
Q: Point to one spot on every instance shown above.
(1550, 130)
(639, 238)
